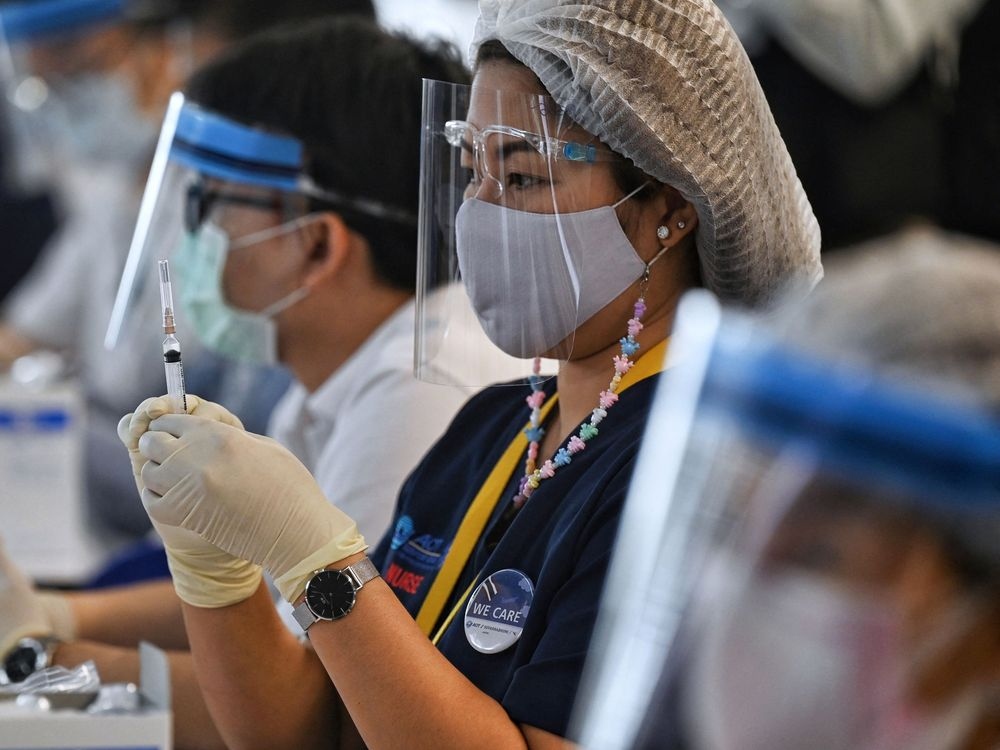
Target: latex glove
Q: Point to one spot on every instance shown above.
(245, 494)
(203, 575)
(133, 426)
(21, 613)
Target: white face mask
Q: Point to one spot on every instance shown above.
(794, 664)
(529, 301)
(800, 663)
(89, 118)
(201, 260)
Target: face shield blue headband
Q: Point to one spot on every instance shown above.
(32, 21)
(204, 161)
(225, 150)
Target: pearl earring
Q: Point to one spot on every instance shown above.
(663, 231)
(681, 225)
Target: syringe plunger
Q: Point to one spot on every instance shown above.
(171, 346)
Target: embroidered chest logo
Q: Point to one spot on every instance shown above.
(414, 557)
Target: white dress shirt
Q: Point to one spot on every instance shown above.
(368, 425)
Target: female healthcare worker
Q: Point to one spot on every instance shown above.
(608, 156)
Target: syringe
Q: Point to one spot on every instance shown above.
(171, 346)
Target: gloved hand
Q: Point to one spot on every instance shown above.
(133, 426)
(245, 494)
(203, 575)
(21, 613)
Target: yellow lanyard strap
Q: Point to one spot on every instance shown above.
(485, 502)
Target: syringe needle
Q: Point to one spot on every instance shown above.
(166, 298)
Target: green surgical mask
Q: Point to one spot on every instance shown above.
(239, 334)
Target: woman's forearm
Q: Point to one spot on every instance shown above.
(263, 688)
(398, 688)
(266, 690)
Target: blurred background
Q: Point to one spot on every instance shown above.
(85, 87)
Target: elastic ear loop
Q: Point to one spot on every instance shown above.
(622, 200)
(285, 302)
(645, 271)
(264, 235)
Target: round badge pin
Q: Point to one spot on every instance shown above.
(497, 611)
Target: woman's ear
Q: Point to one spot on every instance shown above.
(678, 219)
(330, 244)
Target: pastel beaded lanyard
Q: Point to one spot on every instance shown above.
(486, 500)
(534, 475)
(489, 495)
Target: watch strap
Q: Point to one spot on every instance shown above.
(363, 571)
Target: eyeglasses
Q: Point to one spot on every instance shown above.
(200, 201)
(492, 144)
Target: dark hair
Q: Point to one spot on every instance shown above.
(239, 19)
(351, 92)
(493, 50)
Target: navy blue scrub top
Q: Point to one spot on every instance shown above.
(561, 539)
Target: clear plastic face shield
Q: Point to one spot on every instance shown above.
(231, 207)
(66, 95)
(808, 558)
(515, 199)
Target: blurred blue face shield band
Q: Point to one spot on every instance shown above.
(39, 21)
(934, 450)
(784, 512)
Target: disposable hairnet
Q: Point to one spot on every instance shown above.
(922, 304)
(667, 84)
(922, 308)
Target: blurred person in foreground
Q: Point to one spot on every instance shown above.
(830, 572)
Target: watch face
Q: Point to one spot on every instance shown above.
(330, 594)
(21, 663)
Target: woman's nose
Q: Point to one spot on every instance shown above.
(485, 189)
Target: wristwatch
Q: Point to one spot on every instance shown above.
(28, 656)
(330, 594)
